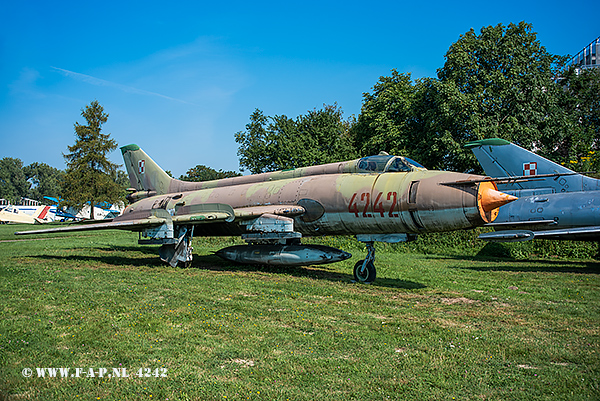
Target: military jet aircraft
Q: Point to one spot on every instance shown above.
(554, 202)
(377, 198)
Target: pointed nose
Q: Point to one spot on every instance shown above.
(490, 199)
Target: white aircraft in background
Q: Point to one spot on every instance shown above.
(39, 214)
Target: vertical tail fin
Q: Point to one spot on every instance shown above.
(500, 158)
(144, 173)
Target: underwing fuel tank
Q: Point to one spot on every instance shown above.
(283, 255)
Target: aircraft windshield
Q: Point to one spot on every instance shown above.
(414, 163)
(382, 163)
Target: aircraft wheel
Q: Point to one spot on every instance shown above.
(367, 276)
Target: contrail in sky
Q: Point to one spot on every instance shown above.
(101, 82)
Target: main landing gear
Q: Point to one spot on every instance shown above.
(176, 244)
(179, 253)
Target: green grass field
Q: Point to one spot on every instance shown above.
(432, 327)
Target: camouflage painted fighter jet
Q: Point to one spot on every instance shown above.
(377, 198)
(554, 202)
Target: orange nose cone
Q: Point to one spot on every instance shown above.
(489, 199)
(492, 199)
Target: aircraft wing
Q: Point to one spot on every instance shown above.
(589, 233)
(132, 225)
(187, 215)
(136, 221)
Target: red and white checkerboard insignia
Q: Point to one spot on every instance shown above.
(530, 168)
(141, 166)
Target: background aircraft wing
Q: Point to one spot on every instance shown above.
(590, 233)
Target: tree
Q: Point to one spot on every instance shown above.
(581, 101)
(203, 173)
(45, 180)
(279, 142)
(90, 176)
(385, 115)
(13, 183)
(499, 83)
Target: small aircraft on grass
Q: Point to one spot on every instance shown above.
(37, 214)
(554, 202)
(377, 198)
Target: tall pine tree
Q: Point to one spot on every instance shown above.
(88, 177)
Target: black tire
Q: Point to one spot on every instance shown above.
(366, 277)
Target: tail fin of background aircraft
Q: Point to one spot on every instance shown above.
(500, 158)
(144, 173)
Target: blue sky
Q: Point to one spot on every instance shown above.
(181, 78)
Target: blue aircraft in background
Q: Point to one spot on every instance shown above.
(103, 210)
(554, 202)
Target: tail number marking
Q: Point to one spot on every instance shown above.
(356, 205)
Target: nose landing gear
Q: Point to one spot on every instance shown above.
(364, 270)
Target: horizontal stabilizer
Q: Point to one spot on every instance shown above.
(513, 179)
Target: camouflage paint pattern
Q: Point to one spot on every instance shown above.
(377, 198)
(328, 199)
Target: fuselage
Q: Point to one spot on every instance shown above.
(346, 203)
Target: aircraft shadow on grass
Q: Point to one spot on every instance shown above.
(214, 263)
(526, 265)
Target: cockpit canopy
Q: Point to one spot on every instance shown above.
(387, 163)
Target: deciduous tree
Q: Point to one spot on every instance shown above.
(13, 183)
(498, 83)
(385, 116)
(279, 142)
(204, 173)
(581, 102)
(46, 180)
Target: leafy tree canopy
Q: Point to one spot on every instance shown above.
(386, 116)
(13, 182)
(279, 142)
(204, 173)
(499, 83)
(581, 102)
(45, 180)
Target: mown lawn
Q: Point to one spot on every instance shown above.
(432, 327)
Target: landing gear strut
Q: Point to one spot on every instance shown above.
(180, 252)
(364, 270)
